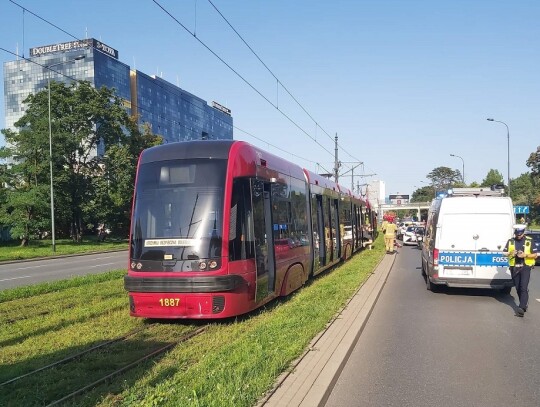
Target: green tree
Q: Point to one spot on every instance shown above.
(533, 162)
(25, 208)
(493, 177)
(84, 121)
(113, 189)
(443, 178)
(424, 194)
(522, 190)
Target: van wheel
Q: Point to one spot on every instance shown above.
(430, 286)
(506, 290)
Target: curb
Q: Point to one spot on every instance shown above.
(314, 375)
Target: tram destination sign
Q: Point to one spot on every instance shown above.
(73, 45)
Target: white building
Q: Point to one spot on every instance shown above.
(375, 194)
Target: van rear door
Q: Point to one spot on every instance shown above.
(470, 245)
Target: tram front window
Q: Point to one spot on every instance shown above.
(178, 210)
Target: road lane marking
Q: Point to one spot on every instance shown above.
(100, 265)
(16, 278)
(27, 268)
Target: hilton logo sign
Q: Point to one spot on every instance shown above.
(73, 45)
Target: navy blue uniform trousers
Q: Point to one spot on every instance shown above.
(521, 276)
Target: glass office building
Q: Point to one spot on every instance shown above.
(171, 112)
(175, 114)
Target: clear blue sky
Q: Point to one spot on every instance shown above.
(403, 83)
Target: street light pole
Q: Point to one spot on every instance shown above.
(508, 140)
(463, 162)
(48, 67)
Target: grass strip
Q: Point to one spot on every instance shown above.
(233, 364)
(48, 287)
(236, 363)
(43, 248)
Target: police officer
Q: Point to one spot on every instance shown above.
(521, 253)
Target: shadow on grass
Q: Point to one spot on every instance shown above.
(54, 327)
(54, 383)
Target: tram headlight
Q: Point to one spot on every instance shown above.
(205, 265)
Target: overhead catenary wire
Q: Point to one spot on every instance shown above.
(241, 77)
(224, 62)
(164, 118)
(278, 81)
(140, 108)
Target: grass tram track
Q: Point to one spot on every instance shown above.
(136, 363)
(74, 356)
(233, 363)
(65, 379)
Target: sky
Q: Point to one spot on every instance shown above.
(403, 83)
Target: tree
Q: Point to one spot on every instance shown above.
(533, 162)
(113, 189)
(443, 178)
(493, 177)
(522, 190)
(84, 121)
(24, 206)
(424, 194)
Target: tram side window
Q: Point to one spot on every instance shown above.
(299, 203)
(241, 239)
(281, 213)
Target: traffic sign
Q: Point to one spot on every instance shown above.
(521, 209)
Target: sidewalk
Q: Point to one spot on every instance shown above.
(314, 374)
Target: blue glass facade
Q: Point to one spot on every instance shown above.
(171, 112)
(175, 114)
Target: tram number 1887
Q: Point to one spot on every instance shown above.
(169, 302)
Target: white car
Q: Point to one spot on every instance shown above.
(402, 228)
(409, 236)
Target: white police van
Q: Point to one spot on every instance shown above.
(465, 234)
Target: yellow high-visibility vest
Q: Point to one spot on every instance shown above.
(512, 247)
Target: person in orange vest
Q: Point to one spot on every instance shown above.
(390, 235)
(521, 253)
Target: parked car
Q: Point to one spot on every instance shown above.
(409, 236)
(535, 234)
(402, 228)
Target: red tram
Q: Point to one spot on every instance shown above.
(220, 228)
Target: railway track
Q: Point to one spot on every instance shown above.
(64, 365)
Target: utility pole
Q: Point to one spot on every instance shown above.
(336, 161)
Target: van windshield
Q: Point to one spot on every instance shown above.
(459, 232)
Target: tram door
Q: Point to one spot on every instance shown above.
(334, 230)
(320, 241)
(264, 242)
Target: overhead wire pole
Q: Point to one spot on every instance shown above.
(351, 170)
(336, 161)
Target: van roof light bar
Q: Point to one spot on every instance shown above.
(485, 191)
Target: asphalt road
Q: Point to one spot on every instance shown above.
(453, 348)
(36, 271)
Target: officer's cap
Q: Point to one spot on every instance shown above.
(519, 229)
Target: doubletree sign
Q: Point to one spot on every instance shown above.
(399, 199)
